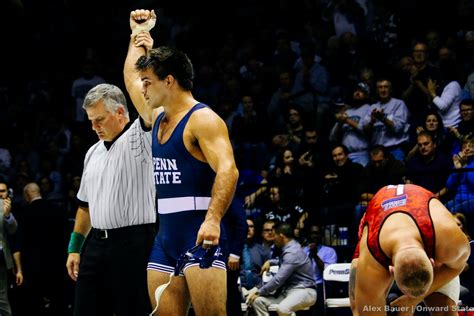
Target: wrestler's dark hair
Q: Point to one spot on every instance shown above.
(166, 61)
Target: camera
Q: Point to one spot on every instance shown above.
(10, 193)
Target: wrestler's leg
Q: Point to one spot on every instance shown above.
(175, 299)
(208, 290)
(441, 305)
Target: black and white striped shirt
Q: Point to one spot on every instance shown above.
(117, 182)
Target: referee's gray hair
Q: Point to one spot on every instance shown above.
(111, 95)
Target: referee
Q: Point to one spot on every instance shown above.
(115, 221)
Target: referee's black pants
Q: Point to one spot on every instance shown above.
(112, 272)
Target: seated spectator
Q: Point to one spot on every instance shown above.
(321, 256)
(293, 287)
(347, 129)
(463, 183)
(268, 237)
(253, 258)
(428, 167)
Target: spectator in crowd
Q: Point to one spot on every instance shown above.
(434, 125)
(387, 121)
(429, 166)
(287, 173)
(294, 281)
(449, 100)
(469, 86)
(461, 221)
(348, 131)
(268, 237)
(321, 256)
(254, 256)
(465, 128)
(313, 161)
(295, 124)
(382, 170)
(81, 85)
(280, 101)
(462, 183)
(8, 226)
(339, 198)
(282, 208)
(247, 135)
(312, 78)
(416, 95)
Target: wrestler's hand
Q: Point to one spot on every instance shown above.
(72, 265)
(209, 232)
(144, 39)
(233, 263)
(142, 20)
(407, 304)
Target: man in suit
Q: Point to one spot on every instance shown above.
(42, 261)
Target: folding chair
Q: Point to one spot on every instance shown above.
(336, 274)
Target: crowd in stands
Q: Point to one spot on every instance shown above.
(325, 102)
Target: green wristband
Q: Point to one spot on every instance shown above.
(75, 243)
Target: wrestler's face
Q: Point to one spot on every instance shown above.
(154, 89)
(106, 124)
